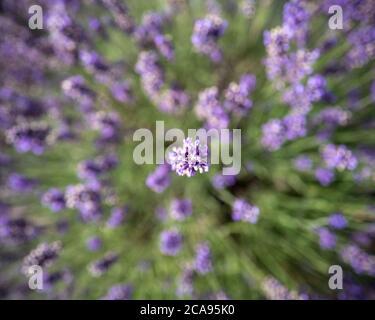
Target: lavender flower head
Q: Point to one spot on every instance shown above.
(180, 209)
(117, 217)
(20, 183)
(244, 211)
(43, 255)
(206, 33)
(94, 243)
(337, 221)
(189, 159)
(303, 163)
(339, 157)
(185, 286)
(86, 200)
(327, 238)
(160, 179)
(54, 199)
(203, 259)
(220, 181)
(361, 262)
(274, 290)
(324, 176)
(119, 292)
(101, 266)
(236, 95)
(170, 242)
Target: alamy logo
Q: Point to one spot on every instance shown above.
(35, 274)
(336, 21)
(336, 280)
(220, 142)
(36, 20)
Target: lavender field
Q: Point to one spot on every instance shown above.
(82, 217)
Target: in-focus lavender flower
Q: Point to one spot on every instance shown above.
(203, 259)
(119, 292)
(337, 221)
(303, 163)
(274, 290)
(160, 179)
(170, 242)
(327, 238)
(94, 243)
(101, 266)
(189, 159)
(206, 34)
(339, 157)
(117, 217)
(43, 256)
(54, 199)
(180, 209)
(244, 211)
(324, 176)
(20, 183)
(360, 261)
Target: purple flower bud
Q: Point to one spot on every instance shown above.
(244, 211)
(94, 243)
(203, 259)
(180, 209)
(337, 221)
(170, 242)
(54, 199)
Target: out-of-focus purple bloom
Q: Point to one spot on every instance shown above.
(337, 221)
(54, 199)
(170, 242)
(101, 266)
(327, 238)
(121, 15)
(332, 116)
(152, 75)
(119, 292)
(160, 179)
(151, 26)
(296, 20)
(203, 259)
(273, 134)
(295, 126)
(161, 213)
(185, 286)
(165, 46)
(274, 290)
(189, 159)
(236, 95)
(93, 169)
(360, 261)
(303, 163)
(43, 256)
(206, 34)
(180, 209)
(108, 124)
(117, 217)
(86, 200)
(247, 8)
(363, 46)
(173, 100)
(16, 230)
(29, 137)
(75, 87)
(324, 176)
(220, 181)
(316, 87)
(121, 91)
(94, 243)
(20, 183)
(244, 211)
(339, 157)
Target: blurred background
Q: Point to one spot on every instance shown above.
(73, 201)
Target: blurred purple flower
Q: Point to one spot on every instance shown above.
(244, 211)
(170, 242)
